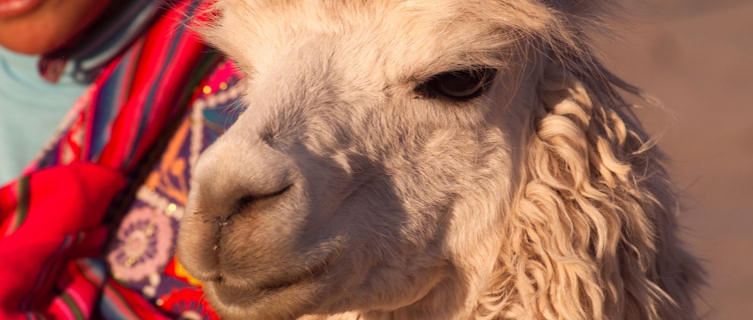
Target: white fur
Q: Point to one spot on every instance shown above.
(538, 200)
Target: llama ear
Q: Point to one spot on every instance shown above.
(592, 229)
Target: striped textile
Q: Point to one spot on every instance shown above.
(121, 303)
(51, 218)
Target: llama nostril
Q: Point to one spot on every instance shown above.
(244, 202)
(249, 201)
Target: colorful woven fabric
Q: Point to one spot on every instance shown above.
(141, 254)
(51, 219)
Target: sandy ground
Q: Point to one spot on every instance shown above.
(697, 57)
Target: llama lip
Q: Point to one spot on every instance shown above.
(237, 295)
(14, 8)
(311, 275)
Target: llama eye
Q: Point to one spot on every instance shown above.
(460, 85)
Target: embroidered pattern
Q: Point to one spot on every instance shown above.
(144, 243)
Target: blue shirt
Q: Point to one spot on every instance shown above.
(31, 109)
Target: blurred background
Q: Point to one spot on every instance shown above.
(696, 56)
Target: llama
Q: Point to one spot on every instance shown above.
(431, 159)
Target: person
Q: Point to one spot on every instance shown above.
(104, 108)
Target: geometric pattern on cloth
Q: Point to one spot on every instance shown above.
(141, 255)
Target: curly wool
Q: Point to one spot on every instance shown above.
(589, 235)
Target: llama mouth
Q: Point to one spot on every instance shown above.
(231, 294)
(312, 275)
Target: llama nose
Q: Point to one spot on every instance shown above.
(231, 178)
(232, 181)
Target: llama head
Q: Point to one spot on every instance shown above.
(401, 157)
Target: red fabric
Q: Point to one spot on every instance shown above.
(134, 302)
(8, 205)
(175, 71)
(64, 201)
(78, 286)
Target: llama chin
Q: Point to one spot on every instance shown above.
(431, 159)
